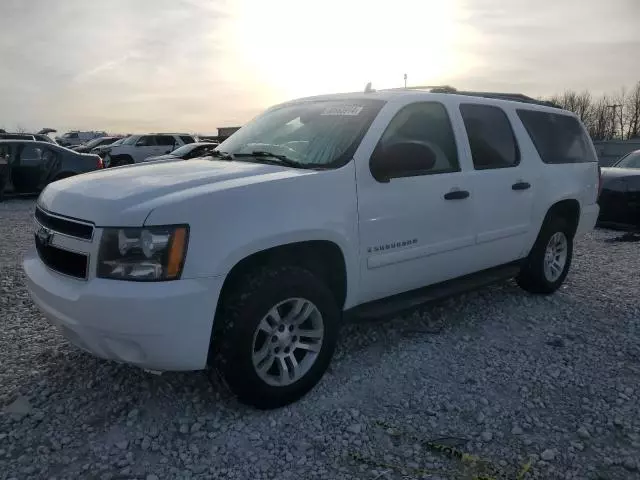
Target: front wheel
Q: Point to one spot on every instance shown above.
(550, 259)
(275, 336)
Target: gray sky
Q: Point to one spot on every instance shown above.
(195, 65)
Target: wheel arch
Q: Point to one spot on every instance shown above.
(569, 209)
(322, 257)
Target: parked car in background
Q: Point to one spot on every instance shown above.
(620, 196)
(42, 137)
(96, 142)
(27, 136)
(102, 150)
(76, 137)
(29, 165)
(136, 148)
(185, 152)
(369, 203)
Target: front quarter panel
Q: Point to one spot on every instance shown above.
(228, 225)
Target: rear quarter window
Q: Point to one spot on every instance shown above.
(558, 138)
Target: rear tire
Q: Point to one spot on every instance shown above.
(260, 344)
(549, 261)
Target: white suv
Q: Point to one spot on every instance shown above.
(363, 202)
(76, 137)
(137, 148)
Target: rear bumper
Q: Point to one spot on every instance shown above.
(158, 326)
(588, 218)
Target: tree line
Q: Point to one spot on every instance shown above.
(610, 116)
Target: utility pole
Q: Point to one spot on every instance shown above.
(405, 80)
(614, 118)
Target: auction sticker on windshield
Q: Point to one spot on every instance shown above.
(343, 110)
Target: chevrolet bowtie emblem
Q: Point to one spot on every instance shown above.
(45, 236)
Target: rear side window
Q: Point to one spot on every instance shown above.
(558, 138)
(491, 138)
(30, 153)
(165, 140)
(186, 139)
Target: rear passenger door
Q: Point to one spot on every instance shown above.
(504, 183)
(166, 144)
(27, 170)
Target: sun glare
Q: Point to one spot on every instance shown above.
(296, 48)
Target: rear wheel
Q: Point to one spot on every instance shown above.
(275, 336)
(550, 258)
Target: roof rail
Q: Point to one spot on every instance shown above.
(515, 97)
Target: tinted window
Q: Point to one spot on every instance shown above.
(187, 139)
(30, 153)
(165, 140)
(429, 123)
(558, 138)
(491, 138)
(146, 141)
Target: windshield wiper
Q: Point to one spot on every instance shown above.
(219, 154)
(274, 158)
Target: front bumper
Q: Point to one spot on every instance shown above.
(155, 325)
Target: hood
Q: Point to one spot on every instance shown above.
(621, 179)
(124, 196)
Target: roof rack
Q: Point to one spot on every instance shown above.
(515, 97)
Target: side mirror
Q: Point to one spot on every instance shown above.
(401, 159)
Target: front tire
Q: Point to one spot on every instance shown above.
(549, 261)
(275, 336)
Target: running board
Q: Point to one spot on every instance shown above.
(409, 300)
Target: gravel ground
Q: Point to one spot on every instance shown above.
(511, 379)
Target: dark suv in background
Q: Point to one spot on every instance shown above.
(27, 166)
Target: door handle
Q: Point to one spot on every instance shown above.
(520, 186)
(456, 195)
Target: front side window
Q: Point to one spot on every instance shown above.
(313, 134)
(146, 141)
(632, 160)
(491, 138)
(558, 138)
(428, 123)
(187, 139)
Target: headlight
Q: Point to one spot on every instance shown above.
(143, 254)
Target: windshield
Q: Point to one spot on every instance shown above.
(94, 142)
(130, 140)
(184, 149)
(314, 133)
(631, 160)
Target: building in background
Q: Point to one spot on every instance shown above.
(226, 132)
(609, 151)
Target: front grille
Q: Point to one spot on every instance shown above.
(63, 261)
(63, 225)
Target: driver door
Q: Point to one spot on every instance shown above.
(418, 229)
(145, 147)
